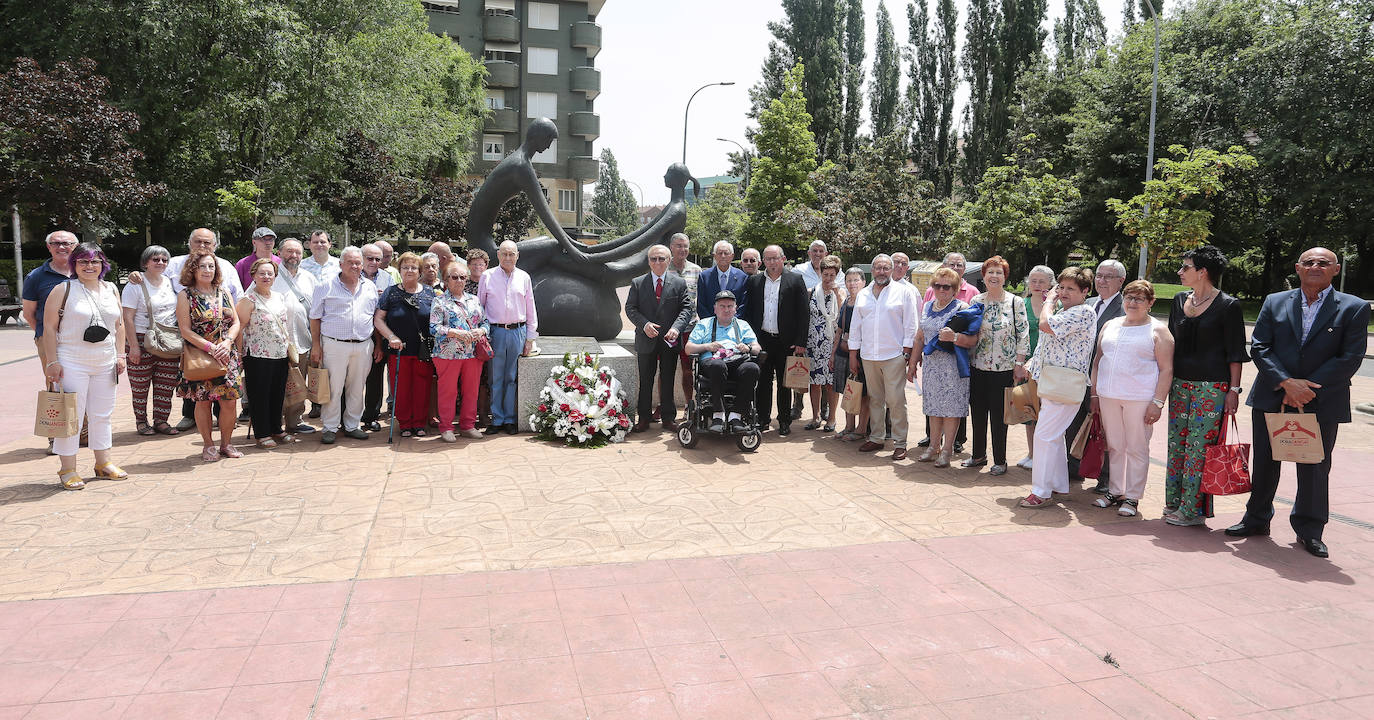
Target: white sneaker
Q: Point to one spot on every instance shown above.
(448, 436)
(1024, 462)
(472, 433)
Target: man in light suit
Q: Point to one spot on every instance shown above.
(778, 313)
(660, 308)
(1306, 345)
(721, 276)
(1110, 277)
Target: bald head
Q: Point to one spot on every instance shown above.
(1316, 268)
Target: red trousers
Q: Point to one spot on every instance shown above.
(457, 376)
(412, 391)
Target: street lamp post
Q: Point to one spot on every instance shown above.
(747, 161)
(688, 110)
(1150, 151)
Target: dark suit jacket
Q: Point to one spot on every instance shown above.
(794, 308)
(1114, 310)
(670, 311)
(1333, 352)
(708, 284)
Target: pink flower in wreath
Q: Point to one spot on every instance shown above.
(563, 407)
(576, 416)
(543, 408)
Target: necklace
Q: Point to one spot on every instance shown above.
(1192, 298)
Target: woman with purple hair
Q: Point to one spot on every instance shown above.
(83, 333)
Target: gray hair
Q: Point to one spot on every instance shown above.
(719, 243)
(814, 243)
(55, 233)
(881, 256)
(149, 253)
(193, 234)
(293, 240)
(427, 256)
(856, 270)
(959, 254)
(675, 236)
(350, 249)
(1113, 265)
(460, 262)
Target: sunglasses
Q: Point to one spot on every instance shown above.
(1316, 263)
(942, 286)
(751, 261)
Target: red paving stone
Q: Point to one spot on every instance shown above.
(1010, 625)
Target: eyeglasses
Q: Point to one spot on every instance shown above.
(1135, 299)
(62, 244)
(1111, 277)
(1184, 268)
(751, 261)
(942, 286)
(90, 261)
(1316, 263)
(658, 259)
(457, 277)
(158, 259)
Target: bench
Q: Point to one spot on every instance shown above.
(8, 307)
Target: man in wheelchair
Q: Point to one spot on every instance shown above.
(726, 348)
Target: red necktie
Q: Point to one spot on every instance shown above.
(658, 289)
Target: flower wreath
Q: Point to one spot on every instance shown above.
(581, 404)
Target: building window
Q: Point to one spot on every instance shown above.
(496, 99)
(543, 61)
(543, 16)
(448, 7)
(500, 55)
(567, 201)
(548, 157)
(493, 147)
(541, 105)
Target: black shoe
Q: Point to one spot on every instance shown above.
(356, 433)
(958, 448)
(1315, 546)
(511, 429)
(1240, 529)
(1102, 487)
(737, 427)
(327, 438)
(925, 442)
(315, 412)
(785, 429)
(492, 429)
(717, 425)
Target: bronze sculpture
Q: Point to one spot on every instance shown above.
(574, 283)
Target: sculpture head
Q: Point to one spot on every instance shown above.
(540, 135)
(677, 177)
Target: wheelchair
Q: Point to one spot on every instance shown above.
(701, 408)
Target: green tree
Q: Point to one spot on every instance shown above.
(720, 215)
(932, 84)
(853, 75)
(1080, 33)
(884, 94)
(811, 33)
(1014, 204)
(1171, 214)
(614, 201)
(239, 203)
(787, 156)
(979, 62)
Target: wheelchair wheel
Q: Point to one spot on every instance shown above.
(687, 434)
(750, 441)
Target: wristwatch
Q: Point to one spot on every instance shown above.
(1158, 403)
(1236, 389)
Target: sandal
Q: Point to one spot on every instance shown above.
(1034, 501)
(850, 436)
(110, 471)
(70, 479)
(420, 432)
(163, 428)
(926, 456)
(406, 432)
(285, 438)
(1128, 507)
(267, 443)
(210, 453)
(143, 429)
(230, 451)
(828, 428)
(1108, 500)
(813, 425)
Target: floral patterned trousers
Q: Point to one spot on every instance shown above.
(1195, 416)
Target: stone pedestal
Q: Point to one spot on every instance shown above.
(534, 371)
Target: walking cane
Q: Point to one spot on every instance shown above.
(391, 426)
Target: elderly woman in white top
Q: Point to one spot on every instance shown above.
(1067, 330)
(267, 348)
(82, 327)
(826, 299)
(1130, 384)
(144, 303)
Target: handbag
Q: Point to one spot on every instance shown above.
(56, 414)
(1021, 404)
(1226, 468)
(162, 341)
(1062, 385)
(1094, 450)
(196, 364)
(482, 348)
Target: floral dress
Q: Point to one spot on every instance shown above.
(945, 393)
(448, 312)
(212, 321)
(820, 335)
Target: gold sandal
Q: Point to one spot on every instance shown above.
(110, 471)
(70, 479)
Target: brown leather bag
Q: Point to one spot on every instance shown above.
(196, 364)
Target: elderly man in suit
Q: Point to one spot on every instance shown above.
(1109, 279)
(1306, 345)
(720, 276)
(778, 312)
(660, 308)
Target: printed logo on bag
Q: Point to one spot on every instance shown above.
(53, 413)
(797, 365)
(1291, 430)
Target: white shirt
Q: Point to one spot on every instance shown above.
(345, 315)
(809, 274)
(164, 303)
(382, 280)
(229, 277)
(295, 289)
(771, 288)
(884, 326)
(320, 271)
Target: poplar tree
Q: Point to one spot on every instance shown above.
(883, 95)
(979, 64)
(810, 33)
(614, 202)
(933, 81)
(853, 75)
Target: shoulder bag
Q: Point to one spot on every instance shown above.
(162, 341)
(1062, 385)
(196, 364)
(482, 348)
(1226, 469)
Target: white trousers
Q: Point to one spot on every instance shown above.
(1050, 473)
(886, 396)
(94, 384)
(348, 365)
(1128, 444)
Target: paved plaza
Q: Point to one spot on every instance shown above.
(511, 578)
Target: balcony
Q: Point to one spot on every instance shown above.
(505, 120)
(587, 80)
(503, 73)
(585, 124)
(587, 34)
(584, 168)
(501, 28)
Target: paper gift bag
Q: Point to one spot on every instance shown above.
(1080, 441)
(317, 385)
(853, 400)
(1020, 404)
(56, 416)
(296, 393)
(798, 372)
(1295, 437)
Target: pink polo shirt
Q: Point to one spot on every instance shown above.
(967, 291)
(508, 299)
(246, 264)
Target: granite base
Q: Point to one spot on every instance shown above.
(534, 371)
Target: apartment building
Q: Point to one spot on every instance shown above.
(540, 57)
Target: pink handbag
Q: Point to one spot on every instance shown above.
(1226, 469)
